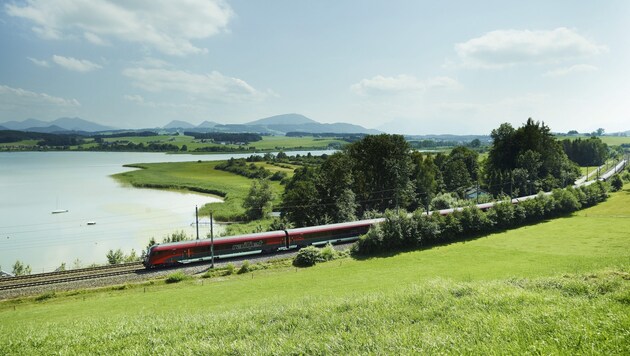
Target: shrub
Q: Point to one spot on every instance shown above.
(443, 201)
(370, 243)
(230, 269)
(565, 201)
(307, 256)
(177, 277)
(245, 267)
(616, 183)
(328, 253)
(502, 215)
(428, 229)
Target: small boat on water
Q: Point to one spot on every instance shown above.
(60, 211)
(91, 223)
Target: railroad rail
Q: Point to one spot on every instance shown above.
(70, 276)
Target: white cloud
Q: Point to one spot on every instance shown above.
(502, 48)
(167, 26)
(39, 62)
(213, 86)
(94, 39)
(401, 84)
(73, 64)
(578, 68)
(16, 99)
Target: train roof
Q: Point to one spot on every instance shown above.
(218, 240)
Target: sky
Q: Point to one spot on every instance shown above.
(412, 67)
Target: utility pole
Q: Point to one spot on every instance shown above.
(477, 190)
(197, 220)
(211, 240)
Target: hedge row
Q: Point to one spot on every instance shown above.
(401, 231)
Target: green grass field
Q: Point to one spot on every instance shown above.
(268, 143)
(609, 140)
(557, 287)
(201, 177)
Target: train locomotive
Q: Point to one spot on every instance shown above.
(183, 252)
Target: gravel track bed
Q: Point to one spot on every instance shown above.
(146, 275)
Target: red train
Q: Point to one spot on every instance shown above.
(175, 253)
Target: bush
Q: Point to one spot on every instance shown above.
(307, 256)
(177, 277)
(616, 183)
(245, 267)
(328, 253)
(230, 269)
(400, 231)
(443, 201)
(565, 201)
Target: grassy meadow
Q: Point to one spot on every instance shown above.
(268, 143)
(557, 287)
(202, 177)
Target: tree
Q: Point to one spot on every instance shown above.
(259, 201)
(115, 257)
(301, 201)
(424, 179)
(20, 269)
(381, 167)
(546, 165)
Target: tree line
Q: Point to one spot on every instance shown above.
(381, 172)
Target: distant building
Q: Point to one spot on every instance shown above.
(4, 274)
(472, 192)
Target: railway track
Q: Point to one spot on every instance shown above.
(70, 276)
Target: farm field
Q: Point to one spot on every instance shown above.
(609, 140)
(560, 286)
(202, 177)
(268, 143)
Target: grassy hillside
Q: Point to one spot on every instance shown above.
(199, 176)
(561, 286)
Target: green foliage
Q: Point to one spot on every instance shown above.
(401, 231)
(587, 152)
(616, 183)
(115, 257)
(381, 168)
(310, 255)
(443, 201)
(45, 296)
(245, 267)
(307, 256)
(21, 269)
(176, 236)
(230, 268)
(526, 160)
(259, 201)
(177, 277)
(239, 166)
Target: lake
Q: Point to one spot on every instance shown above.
(34, 184)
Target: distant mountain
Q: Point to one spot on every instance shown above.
(281, 124)
(285, 119)
(3, 128)
(207, 125)
(60, 124)
(21, 125)
(178, 124)
(78, 124)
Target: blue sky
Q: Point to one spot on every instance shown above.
(416, 67)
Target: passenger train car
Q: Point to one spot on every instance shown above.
(175, 253)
